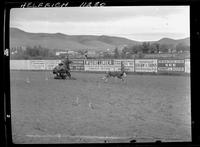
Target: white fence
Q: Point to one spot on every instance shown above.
(33, 64)
(131, 65)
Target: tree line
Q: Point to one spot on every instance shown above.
(149, 48)
(39, 52)
(35, 52)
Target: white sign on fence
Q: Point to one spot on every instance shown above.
(99, 68)
(171, 65)
(99, 65)
(19, 64)
(146, 65)
(37, 65)
(109, 65)
(128, 64)
(187, 65)
(50, 64)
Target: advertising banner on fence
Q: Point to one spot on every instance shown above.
(187, 65)
(99, 65)
(77, 65)
(19, 64)
(128, 64)
(37, 65)
(50, 64)
(146, 65)
(171, 66)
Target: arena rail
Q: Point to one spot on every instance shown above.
(159, 66)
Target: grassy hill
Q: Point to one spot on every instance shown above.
(76, 42)
(185, 41)
(62, 41)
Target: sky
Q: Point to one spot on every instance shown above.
(140, 23)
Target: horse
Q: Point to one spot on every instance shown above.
(62, 71)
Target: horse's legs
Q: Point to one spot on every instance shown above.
(68, 74)
(105, 79)
(123, 79)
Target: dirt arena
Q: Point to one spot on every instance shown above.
(144, 108)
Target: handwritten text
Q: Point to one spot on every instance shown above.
(61, 4)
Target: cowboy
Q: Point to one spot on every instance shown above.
(67, 63)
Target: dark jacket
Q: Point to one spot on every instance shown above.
(67, 63)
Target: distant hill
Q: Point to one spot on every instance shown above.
(75, 42)
(185, 41)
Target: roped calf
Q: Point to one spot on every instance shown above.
(115, 74)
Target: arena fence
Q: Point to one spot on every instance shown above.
(101, 65)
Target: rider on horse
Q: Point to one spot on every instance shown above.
(63, 69)
(67, 63)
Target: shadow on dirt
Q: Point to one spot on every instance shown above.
(60, 78)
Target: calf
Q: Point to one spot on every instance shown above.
(115, 74)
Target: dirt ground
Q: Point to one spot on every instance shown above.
(144, 108)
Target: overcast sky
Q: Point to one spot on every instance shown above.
(144, 23)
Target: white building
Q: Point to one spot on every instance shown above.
(61, 52)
